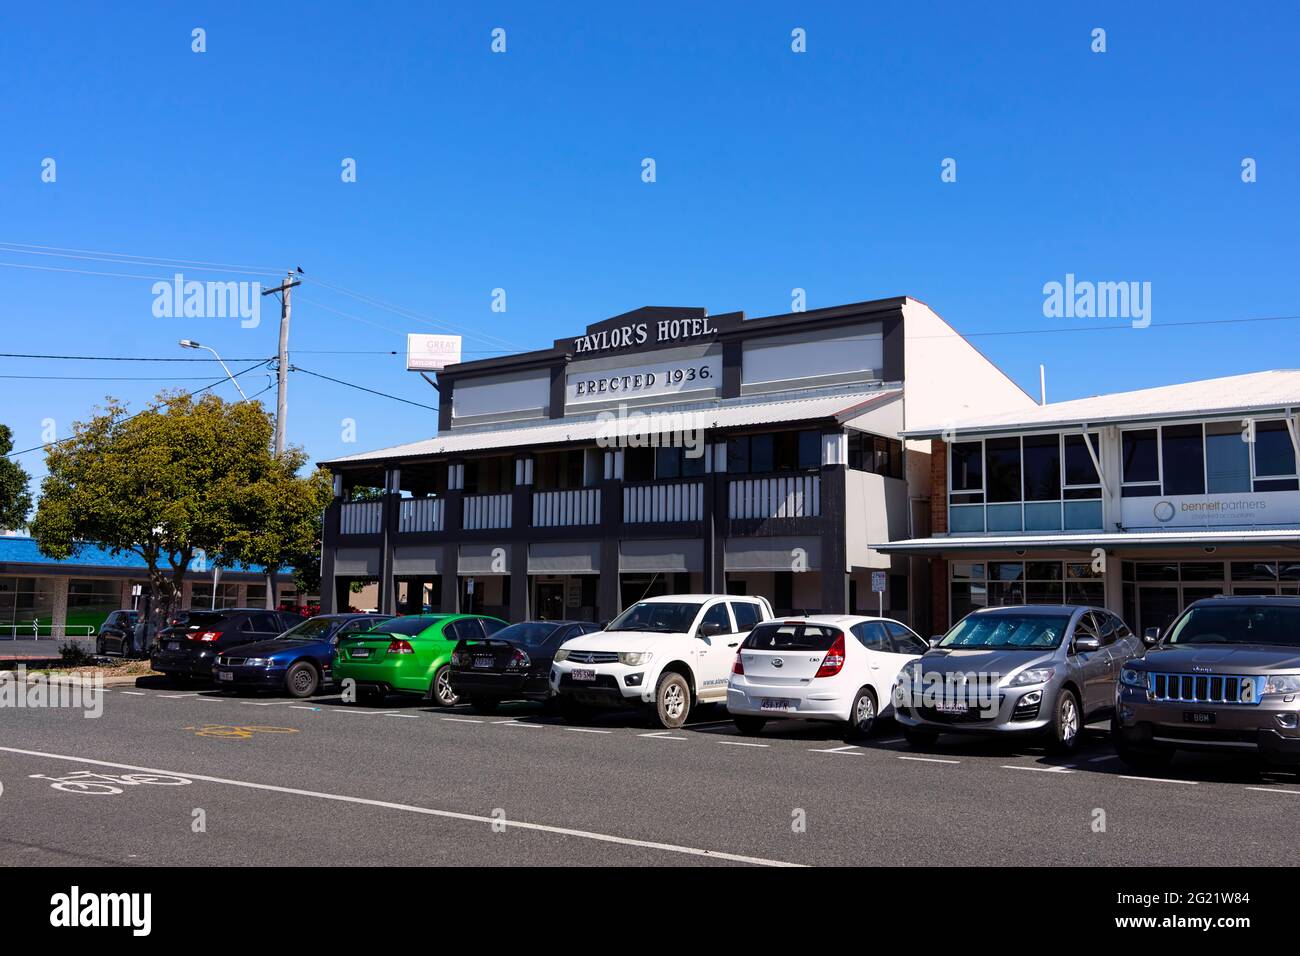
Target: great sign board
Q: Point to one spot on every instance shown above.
(428, 353)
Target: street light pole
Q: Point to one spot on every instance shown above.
(191, 344)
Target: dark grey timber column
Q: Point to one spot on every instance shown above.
(835, 579)
(611, 519)
(329, 543)
(519, 597)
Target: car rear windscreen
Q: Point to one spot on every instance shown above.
(529, 633)
(1239, 624)
(204, 619)
(791, 637)
(403, 625)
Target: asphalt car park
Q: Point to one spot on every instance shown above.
(277, 780)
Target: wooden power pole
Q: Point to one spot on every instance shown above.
(282, 390)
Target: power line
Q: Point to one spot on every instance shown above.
(121, 256)
(396, 398)
(151, 408)
(102, 378)
(180, 263)
(118, 358)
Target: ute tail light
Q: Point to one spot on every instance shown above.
(834, 659)
(738, 667)
(396, 646)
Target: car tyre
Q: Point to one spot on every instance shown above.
(1066, 728)
(919, 739)
(1138, 758)
(672, 700)
(99, 647)
(441, 693)
(484, 705)
(863, 715)
(301, 680)
(749, 726)
(126, 649)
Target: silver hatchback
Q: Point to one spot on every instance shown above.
(1036, 670)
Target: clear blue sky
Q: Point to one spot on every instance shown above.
(522, 171)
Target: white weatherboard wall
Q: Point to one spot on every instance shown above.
(947, 378)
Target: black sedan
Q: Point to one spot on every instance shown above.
(187, 651)
(512, 664)
(117, 634)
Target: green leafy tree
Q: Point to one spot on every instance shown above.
(15, 499)
(290, 534)
(184, 475)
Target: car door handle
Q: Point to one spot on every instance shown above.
(737, 644)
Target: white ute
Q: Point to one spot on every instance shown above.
(668, 653)
(836, 667)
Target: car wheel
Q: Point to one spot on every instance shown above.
(919, 739)
(301, 680)
(440, 691)
(1139, 758)
(672, 701)
(484, 705)
(126, 648)
(862, 716)
(1067, 723)
(749, 726)
(99, 647)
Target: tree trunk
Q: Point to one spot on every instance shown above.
(271, 602)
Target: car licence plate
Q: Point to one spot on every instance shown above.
(1198, 716)
(774, 703)
(225, 675)
(483, 662)
(173, 645)
(361, 652)
(582, 674)
(950, 707)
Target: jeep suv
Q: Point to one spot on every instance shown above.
(1225, 677)
(666, 653)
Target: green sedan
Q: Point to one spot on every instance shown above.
(408, 655)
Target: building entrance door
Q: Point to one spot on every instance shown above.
(550, 601)
(1157, 607)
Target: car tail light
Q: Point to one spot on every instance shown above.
(400, 647)
(738, 667)
(519, 659)
(205, 636)
(834, 659)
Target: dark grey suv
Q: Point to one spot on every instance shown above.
(1225, 678)
(1034, 670)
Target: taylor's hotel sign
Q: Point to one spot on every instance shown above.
(1261, 509)
(664, 333)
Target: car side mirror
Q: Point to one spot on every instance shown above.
(934, 641)
(708, 629)
(1151, 636)
(1086, 645)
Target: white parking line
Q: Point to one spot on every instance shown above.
(427, 811)
(1012, 766)
(661, 735)
(462, 720)
(515, 723)
(850, 749)
(588, 730)
(1158, 780)
(302, 707)
(135, 693)
(172, 696)
(407, 716)
(353, 710)
(1294, 793)
(926, 759)
(740, 743)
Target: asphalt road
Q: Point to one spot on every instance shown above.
(268, 780)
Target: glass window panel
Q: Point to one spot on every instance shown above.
(967, 466)
(1141, 459)
(964, 570)
(1082, 515)
(761, 454)
(668, 462)
(785, 447)
(1202, 571)
(638, 464)
(1081, 570)
(1183, 447)
(1254, 571)
(1227, 458)
(1085, 592)
(738, 455)
(1042, 467)
(1043, 516)
(1079, 469)
(1274, 454)
(1004, 518)
(693, 467)
(966, 518)
(1007, 571)
(1043, 570)
(1043, 592)
(1002, 462)
(810, 449)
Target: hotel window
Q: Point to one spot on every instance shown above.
(875, 454)
(677, 463)
(1081, 478)
(556, 470)
(1042, 465)
(774, 452)
(1029, 483)
(489, 476)
(638, 464)
(1140, 451)
(1227, 458)
(1275, 465)
(1002, 466)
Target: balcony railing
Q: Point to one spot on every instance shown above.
(786, 496)
(562, 509)
(420, 514)
(361, 517)
(665, 501)
(486, 511)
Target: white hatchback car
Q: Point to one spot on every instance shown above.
(834, 667)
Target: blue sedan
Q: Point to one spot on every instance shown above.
(298, 661)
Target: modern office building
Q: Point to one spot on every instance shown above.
(666, 450)
(1143, 501)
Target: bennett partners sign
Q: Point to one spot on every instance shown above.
(1261, 509)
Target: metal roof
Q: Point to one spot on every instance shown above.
(1253, 392)
(841, 405)
(1198, 537)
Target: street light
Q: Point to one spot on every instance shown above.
(191, 344)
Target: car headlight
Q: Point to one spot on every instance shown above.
(1032, 675)
(634, 658)
(561, 655)
(1282, 684)
(258, 662)
(1133, 677)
